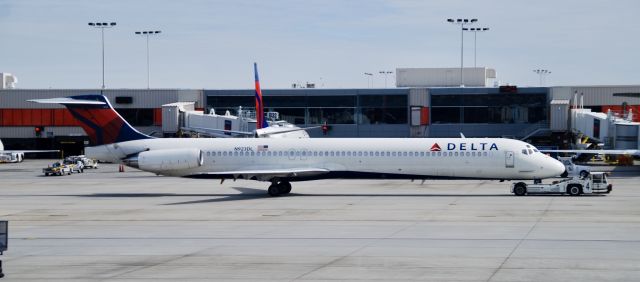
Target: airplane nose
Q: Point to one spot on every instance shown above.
(556, 168)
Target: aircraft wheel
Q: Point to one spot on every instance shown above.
(274, 190)
(285, 187)
(520, 189)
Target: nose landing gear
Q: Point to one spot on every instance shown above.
(278, 188)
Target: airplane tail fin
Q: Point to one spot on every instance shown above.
(98, 119)
(260, 121)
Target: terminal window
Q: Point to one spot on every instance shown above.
(489, 108)
(137, 117)
(384, 109)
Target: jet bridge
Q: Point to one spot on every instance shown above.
(181, 117)
(615, 131)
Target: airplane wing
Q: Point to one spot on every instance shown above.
(263, 174)
(606, 152)
(290, 130)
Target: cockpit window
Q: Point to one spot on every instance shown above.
(524, 151)
(530, 152)
(536, 150)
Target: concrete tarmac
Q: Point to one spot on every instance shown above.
(108, 226)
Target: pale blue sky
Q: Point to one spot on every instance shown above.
(212, 44)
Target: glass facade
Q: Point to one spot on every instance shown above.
(489, 108)
(137, 117)
(317, 106)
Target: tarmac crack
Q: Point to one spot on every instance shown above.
(546, 209)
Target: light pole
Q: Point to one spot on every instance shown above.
(385, 76)
(102, 26)
(475, 31)
(146, 34)
(462, 23)
(542, 73)
(369, 82)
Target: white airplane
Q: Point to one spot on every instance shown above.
(282, 160)
(16, 156)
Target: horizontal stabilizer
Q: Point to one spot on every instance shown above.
(67, 101)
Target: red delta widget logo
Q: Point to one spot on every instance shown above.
(465, 147)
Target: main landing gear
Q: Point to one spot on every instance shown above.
(278, 188)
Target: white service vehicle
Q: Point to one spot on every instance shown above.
(574, 170)
(87, 162)
(596, 182)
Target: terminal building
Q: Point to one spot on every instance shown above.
(431, 108)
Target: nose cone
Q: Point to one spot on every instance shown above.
(554, 167)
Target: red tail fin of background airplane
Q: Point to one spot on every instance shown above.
(260, 121)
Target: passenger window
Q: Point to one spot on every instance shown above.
(225, 153)
(484, 153)
(473, 154)
(332, 153)
(360, 154)
(468, 154)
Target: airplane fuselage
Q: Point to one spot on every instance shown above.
(415, 158)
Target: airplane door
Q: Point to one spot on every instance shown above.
(509, 160)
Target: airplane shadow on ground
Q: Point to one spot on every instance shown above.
(252, 194)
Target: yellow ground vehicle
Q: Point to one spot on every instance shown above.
(57, 169)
